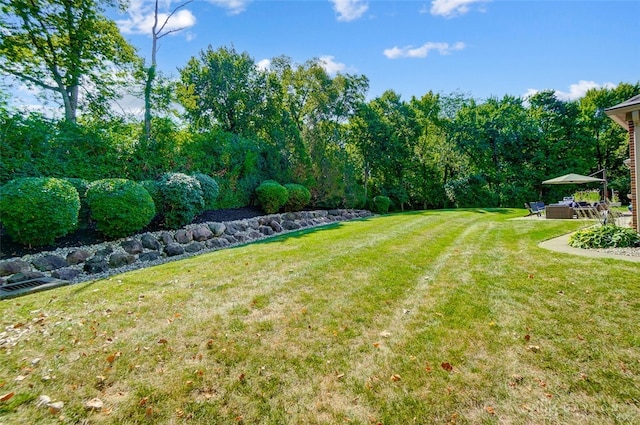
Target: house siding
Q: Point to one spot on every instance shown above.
(632, 156)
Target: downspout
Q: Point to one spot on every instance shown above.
(635, 117)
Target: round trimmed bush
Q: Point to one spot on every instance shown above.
(210, 190)
(381, 204)
(299, 197)
(120, 207)
(271, 196)
(181, 199)
(35, 211)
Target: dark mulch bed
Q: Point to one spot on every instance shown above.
(90, 236)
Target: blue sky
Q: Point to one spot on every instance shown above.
(481, 48)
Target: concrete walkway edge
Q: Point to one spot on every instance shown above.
(561, 244)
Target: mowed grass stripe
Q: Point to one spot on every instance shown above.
(349, 323)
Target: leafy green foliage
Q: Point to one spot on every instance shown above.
(36, 211)
(271, 196)
(181, 199)
(210, 189)
(153, 188)
(604, 237)
(119, 206)
(81, 186)
(381, 204)
(58, 46)
(299, 197)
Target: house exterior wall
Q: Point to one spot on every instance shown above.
(634, 170)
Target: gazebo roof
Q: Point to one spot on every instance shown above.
(619, 112)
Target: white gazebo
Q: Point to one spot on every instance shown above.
(627, 114)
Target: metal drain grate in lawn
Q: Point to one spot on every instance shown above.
(25, 287)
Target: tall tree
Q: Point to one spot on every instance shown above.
(224, 89)
(158, 31)
(61, 46)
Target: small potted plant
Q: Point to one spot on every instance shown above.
(615, 199)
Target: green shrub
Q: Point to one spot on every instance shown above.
(181, 199)
(81, 186)
(210, 190)
(299, 197)
(152, 187)
(604, 237)
(271, 196)
(381, 204)
(36, 211)
(120, 207)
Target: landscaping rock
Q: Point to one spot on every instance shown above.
(218, 229)
(77, 256)
(66, 274)
(266, 230)
(202, 233)
(276, 226)
(105, 252)
(150, 242)
(232, 229)
(120, 259)
(195, 247)
(49, 262)
(149, 256)
(22, 276)
(230, 238)
(96, 264)
(174, 249)
(290, 225)
(166, 238)
(183, 236)
(217, 243)
(14, 266)
(132, 246)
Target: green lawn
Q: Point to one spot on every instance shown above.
(431, 317)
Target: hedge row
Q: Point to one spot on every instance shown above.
(35, 211)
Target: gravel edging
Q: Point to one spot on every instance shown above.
(171, 246)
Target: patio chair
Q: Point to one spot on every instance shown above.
(534, 208)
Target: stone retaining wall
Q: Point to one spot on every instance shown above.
(80, 264)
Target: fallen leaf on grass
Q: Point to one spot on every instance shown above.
(55, 407)
(7, 396)
(112, 357)
(94, 404)
(447, 366)
(162, 341)
(490, 410)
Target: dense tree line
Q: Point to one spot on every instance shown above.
(291, 122)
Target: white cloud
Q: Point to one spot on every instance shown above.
(422, 51)
(264, 64)
(234, 7)
(141, 19)
(349, 10)
(330, 66)
(450, 8)
(576, 91)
